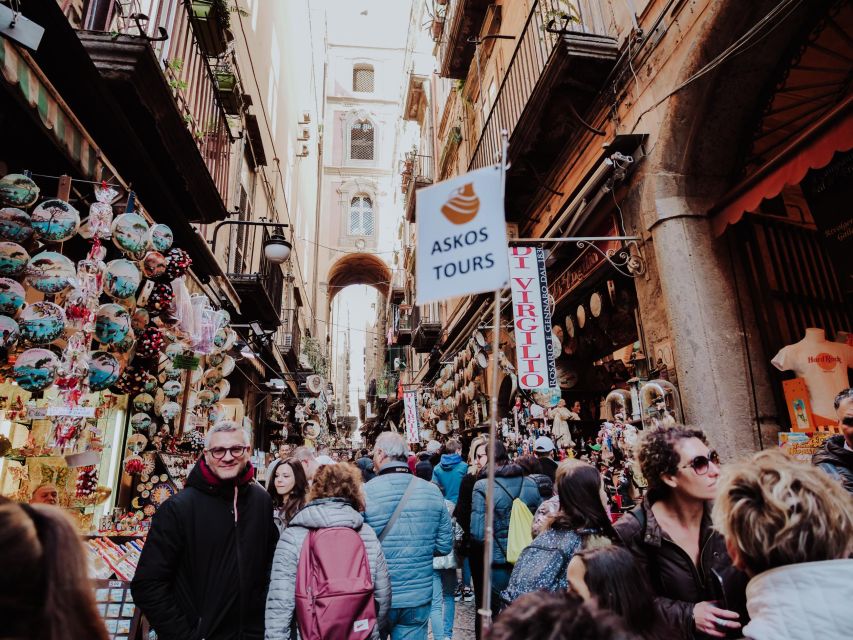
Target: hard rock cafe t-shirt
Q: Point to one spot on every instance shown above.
(823, 365)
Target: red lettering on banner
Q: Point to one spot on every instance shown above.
(523, 310)
(521, 284)
(532, 380)
(525, 353)
(523, 326)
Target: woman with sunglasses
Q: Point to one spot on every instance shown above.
(670, 534)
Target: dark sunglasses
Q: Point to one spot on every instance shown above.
(700, 464)
(219, 452)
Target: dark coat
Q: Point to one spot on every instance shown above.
(365, 464)
(678, 583)
(462, 511)
(837, 461)
(204, 570)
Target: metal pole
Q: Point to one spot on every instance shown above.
(488, 546)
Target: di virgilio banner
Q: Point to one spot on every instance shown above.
(531, 318)
(410, 410)
(461, 247)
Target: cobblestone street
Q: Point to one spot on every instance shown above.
(463, 625)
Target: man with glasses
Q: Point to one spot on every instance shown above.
(835, 456)
(204, 570)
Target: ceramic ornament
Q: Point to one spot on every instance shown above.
(144, 402)
(161, 298)
(112, 323)
(51, 272)
(13, 259)
(18, 190)
(12, 296)
(172, 388)
(160, 237)
(125, 344)
(140, 421)
(42, 322)
(121, 279)
(216, 413)
(205, 398)
(130, 232)
(140, 319)
(211, 378)
(104, 370)
(36, 369)
(177, 263)
(227, 366)
(169, 411)
(9, 332)
(15, 225)
(148, 343)
(154, 265)
(55, 221)
(215, 359)
(222, 389)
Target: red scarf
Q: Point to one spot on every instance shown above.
(212, 479)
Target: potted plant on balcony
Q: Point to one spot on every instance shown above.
(211, 20)
(228, 89)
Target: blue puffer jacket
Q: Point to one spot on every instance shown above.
(509, 484)
(422, 531)
(448, 475)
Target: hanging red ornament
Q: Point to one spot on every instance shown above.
(87, 481)
(149, 342)
(177, 263)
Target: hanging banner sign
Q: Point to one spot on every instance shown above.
(462, 242)
(410, 410)
(531, 311)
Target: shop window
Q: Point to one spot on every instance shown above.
(362, 78)
(361, 140)
(361, 216)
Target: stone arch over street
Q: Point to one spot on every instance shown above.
(358, 268)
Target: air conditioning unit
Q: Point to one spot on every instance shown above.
(303, 151)
(306, 118)
(304, 133)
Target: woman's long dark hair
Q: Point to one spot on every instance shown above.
(296, 499)
(617, 583)
(579, 491)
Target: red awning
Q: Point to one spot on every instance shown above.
(812, 149)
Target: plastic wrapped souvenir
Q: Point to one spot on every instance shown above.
(13, 259)
(140, 421)
(18, 190)
(104, 370)
(12, 296)
(15, 225)
(42, 322)
(154, 265)
(177, 263)
(101, 211)
(112, 323)
(74, 363)
(121, 279)
(50, 272)
(55, 221)
(130, 232)
(9, 332)
(144, 402)
(35, 369)
(149, 341)
(160, 237)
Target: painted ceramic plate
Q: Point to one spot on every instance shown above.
(112, 323)
(42, 322)
(15, 225)
(160, 237)
(140, 421)
(9, 332)
(225, 339)
(161, 493)
(17, 190)
(13, 259)
(211, 378)
(121, 279)
(144, 402)
(35, 369)
(227, 366)
(55, 221)
(169, 410)
(50, 272)
(130, 232)
(153, 264)
(216, 413)
(215, 359)
(172, 388)
(223, 388)
(205, 397)
(12, 296)
(104, 370)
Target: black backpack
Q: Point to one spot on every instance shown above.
(544, 484)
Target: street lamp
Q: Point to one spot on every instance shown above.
(276, 248)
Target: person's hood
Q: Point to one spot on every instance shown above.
(450, 460)
(833, 452)
(203, 479)
(806, 601)
(327, 512)
(509, 470)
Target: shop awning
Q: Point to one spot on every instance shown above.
(812, 149)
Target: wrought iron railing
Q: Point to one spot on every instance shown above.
(168, 27)
(539, 39)
(289, 335)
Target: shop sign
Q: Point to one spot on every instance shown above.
(531, 312)
(410, 410)
(586, 263)
(462, 240)
(182, 361)
(74, 412)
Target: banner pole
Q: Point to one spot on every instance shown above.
(489, 537)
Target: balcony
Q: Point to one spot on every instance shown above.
(156, 67)
(289, 338)
(398, 286)
(422, 175)
(561, 61)
(426, 323)
(258, 282)
(462, 21)
(404, 328)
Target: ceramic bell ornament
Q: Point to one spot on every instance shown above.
(55, 221)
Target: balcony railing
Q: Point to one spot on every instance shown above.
(462, 21)
(168, 27)
(258, 282)
(426, 323)
(548, 24)
(289, 336)
(423, 174)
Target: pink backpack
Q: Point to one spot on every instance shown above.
(334, 588)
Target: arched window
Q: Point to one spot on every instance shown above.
(362, 78)
(361, 140)
(361, 215)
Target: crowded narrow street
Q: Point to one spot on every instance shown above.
(426, 319)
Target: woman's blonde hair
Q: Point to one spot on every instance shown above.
(341, 480)
(776, 511)
(472, 453)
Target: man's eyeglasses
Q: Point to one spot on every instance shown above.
(219, 452)
(701, 464)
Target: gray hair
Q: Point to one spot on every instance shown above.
(842, 396)
(304, 454)
(227, 426)
(392, 444)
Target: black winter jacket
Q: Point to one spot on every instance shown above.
(204, 570)
(837, 461)
(677, 582)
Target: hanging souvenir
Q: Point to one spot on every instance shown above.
(170, 410)
(90, 276)
(104, 370)
(87, 481)
(149, 384)
(101, 211)
(215, 359)
(227, 366)
(172, 389)
(153, 265)
(18, 190)
(140, 421)
(42, 322)
(50, 272)
(133, 465)
(132, 380)
(216, 413)
(140, 319)
(112, 323)
(160, 237)
(74, 363)
(172, 373)
(55, 221)
(223, 319)
(173, 350)
(144, 402)
(121, 279)
(35, 369)
(222, 388)
(177, 263)
(130, 232)
(9, 332)
(13, 259)
(124, 345)
(205, 397)
(211, 378)
(149, 341)
(160, 298)
(15, 225)
(12, 296)
(225, 339)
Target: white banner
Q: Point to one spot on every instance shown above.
(461, 245)
(531, 312)
(410, 410)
